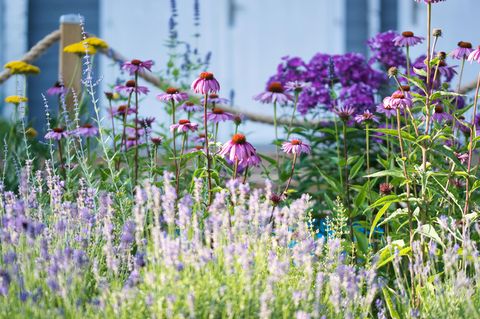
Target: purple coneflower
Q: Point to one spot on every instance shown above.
(86, 130)
(407, 38)
(296, 86)
(386, 188)
(206, 84)
(172, 94)
(57, 89)
(344, 112)
(296, 146)
(387, 108)
(215, 99)
(474, 55)
(122, 110)
(275, 93)
(146, 122)
(199, 139)
(184, 126)
(239, 151)
(137, 66)
(156, 140)
(462, 157)
(430, 1)
(399, 100)
(131, 87)
(367, 117)
(440, 115)
(190, 107)
(218, 115)
(462, 51)
(132, 141)
(56, 134)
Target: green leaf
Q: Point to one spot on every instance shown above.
(393, 132)
(362, 241)
(332, 182)
(379, 215)
(389, 172)
(389, 303)
(356, 168)
(420, 72)
(429, 231)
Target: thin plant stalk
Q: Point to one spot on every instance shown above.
(277, 154)
(245, 175)
(207, 152)
(113, 125)
(294, 161)
(174, 138)
(235, 168)
(471, 147)
(136, 127)
(367, 146)
(346, 185)
(290, 125)
(337, 140)
(408, 60)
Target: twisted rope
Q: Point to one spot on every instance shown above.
(41, 46)
(35, 52)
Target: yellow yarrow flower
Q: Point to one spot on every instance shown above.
(15, 99)
(96, 42)
(80, 48)
(21, 67)
(31, 132)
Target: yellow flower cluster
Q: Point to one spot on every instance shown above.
(21, 67)
(31, 132)
(15, 99)
(89, 45)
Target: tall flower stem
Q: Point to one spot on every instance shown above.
(174, 138)
(294, 161)
(245, 175)
(290, 125)
(60, 156)
(235, 168)
(207, 152)
(408, 60)
(124, 135)
(471, 147)
(367, 146)
(113, 125)
(277, 156)
(337, 140)
(346, 185)
(454, 120)
(136, 127)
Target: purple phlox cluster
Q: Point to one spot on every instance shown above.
(385, 52)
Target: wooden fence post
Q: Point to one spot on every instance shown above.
(70, 65)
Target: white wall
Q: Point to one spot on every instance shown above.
(243, 57)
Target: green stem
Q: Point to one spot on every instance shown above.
(276, 137)
(174, 138)
(207, 151)
(291, 173)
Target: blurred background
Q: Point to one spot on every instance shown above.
(246, 38)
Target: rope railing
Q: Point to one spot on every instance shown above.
(41, 46)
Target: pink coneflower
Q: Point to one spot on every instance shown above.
(430, 1)
(121, 110)
(474, 55)
(184, 126)
(296, 146)
(440, 115)
(199, 139)
(215, 99)
(387, 108)
(407, 38)
(239, 151)
(400, 100)
(146, 122)
(386, 188)
(462, 157)
(366, 117)
(137, 66)
(57, 89)
(206, 84)
(344, 112)
(275, 93)
(190, 107)
(130, 87)
(56, 134)
(86, 130)
(156, 140)
(172, 94)
(296, 86)
(462, 51)
(132, 132)
(218, 115)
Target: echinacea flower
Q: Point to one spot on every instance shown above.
(296, 86)
(407, 38)
(215, 99)
(344, 112)
(386, 188)
(137, 66)
(190, 107)
(296, 146)
(21, 67)
(86, 130)
(172, 94)
(57, 89)
(56, 134)
(199, 139)
(131, 87)
(430, 1)
(440, 115)
(400, 100)
(218, 115)
(146, 122)
(206, 84)
(275, 94)
(156, 140)
(123, 110)
(240, 151)
(462, 157)
(184, 126)
(366, 117)
(474, 55)
(132, 142)
(15, 99)
(462, 51)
